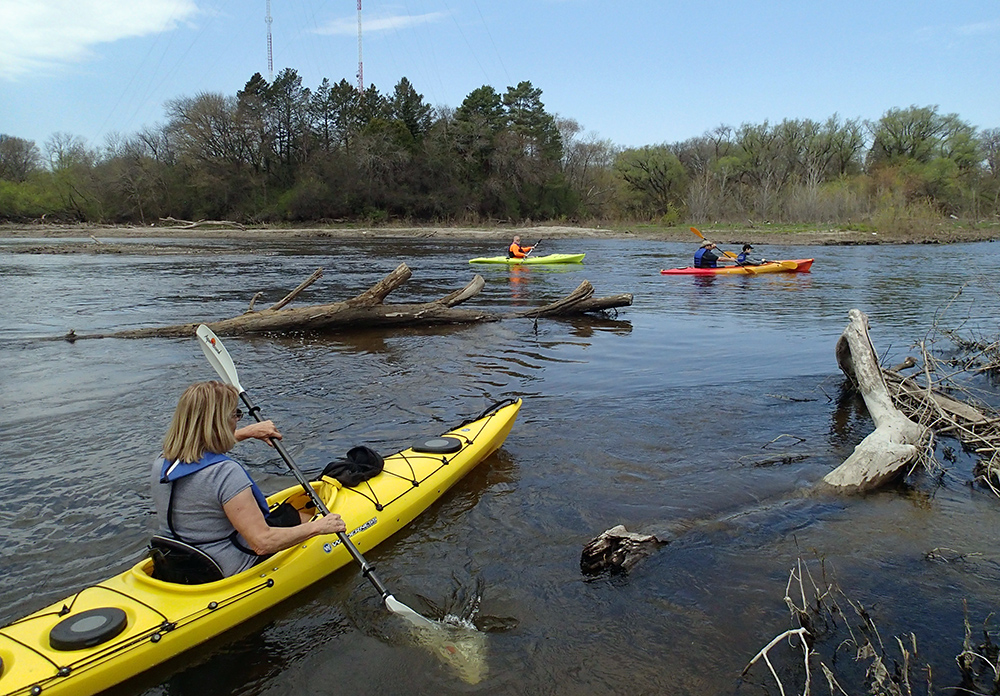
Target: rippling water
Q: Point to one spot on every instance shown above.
(657, 418)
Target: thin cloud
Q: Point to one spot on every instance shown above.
(347, 26)
(950, 34)
(44, 35)
(979, 29)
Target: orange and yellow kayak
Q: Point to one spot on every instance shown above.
(790, 266)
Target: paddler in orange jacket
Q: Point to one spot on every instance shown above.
(516, 251)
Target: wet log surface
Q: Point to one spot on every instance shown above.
(617, 550)
(369, 309)
(896, 441)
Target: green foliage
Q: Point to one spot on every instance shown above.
(278, 151)
(655, 176)
(409, 108)
(527, 119)
(908, 218)
(32, 198)
(920, 134)
(671, 217)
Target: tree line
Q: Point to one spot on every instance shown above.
(278, 152)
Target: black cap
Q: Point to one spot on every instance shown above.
(746, 247)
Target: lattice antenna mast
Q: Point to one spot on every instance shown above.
(270, 62)
(361, 70)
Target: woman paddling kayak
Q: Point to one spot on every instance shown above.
(206, 499)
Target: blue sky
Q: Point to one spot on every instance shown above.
(635, 73)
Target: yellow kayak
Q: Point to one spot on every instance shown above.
(531, 260)
(118, 628)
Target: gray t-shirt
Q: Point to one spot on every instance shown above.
(197, 510)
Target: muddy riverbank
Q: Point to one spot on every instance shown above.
(110, 239)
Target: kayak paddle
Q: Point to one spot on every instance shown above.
(725, 253)
(219, 358)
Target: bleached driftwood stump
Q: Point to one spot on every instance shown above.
(896, 440)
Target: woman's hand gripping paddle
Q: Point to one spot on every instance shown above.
(219, 358)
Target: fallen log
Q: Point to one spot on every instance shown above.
(368, 309)
(896, 440)
(579, 301)
(189, 224)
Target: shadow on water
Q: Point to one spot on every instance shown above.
(850, 420)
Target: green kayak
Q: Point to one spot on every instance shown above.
(551, 258)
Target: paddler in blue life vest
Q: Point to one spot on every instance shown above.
(205, 498)
(708, 256)
(516, 251)
(745, 258)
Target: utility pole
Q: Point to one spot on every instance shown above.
(270, 63)
(361, 71)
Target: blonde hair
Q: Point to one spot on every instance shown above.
(201, 422)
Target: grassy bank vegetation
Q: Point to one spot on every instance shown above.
(278, 153)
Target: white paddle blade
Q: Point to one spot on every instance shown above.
(219, 357)
(397, 607)
(459, 645)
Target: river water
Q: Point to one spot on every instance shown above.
(704, 413)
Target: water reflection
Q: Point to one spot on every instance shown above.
(587, 327)
(850, 421)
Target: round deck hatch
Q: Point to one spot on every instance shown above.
(438, 445)
(88, 628)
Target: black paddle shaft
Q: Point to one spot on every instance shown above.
(366, 568)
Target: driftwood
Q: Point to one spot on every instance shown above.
(617, 550)
(316, 275)
(896, 440)
(368, 309)
(579, 301)
(976, 427)
(188, 224)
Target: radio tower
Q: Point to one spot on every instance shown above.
(270, 63)
(361, 71)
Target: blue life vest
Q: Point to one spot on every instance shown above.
(698, 259)
(742, 258)
(171, 471)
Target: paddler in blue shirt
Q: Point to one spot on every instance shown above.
(745, 258)
(708, 256)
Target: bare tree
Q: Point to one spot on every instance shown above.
(18, 158)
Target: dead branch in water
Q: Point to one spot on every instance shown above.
(188, 224)
(316, 275)
(369, 309)
(939, 396)
(822, 629)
